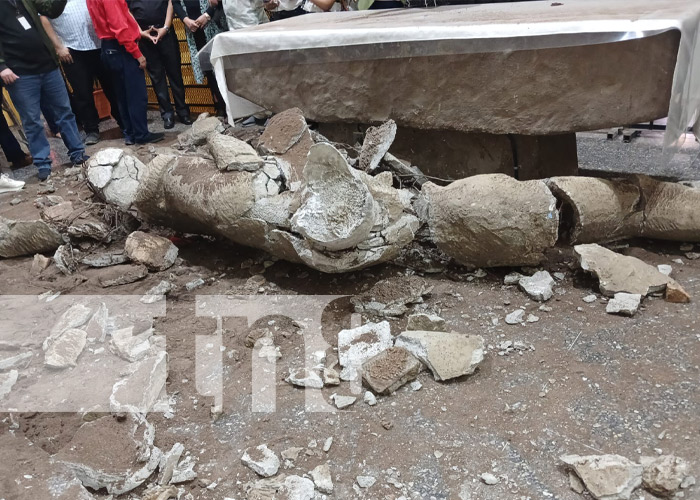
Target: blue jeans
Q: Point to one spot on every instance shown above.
(129, 88)
(30, 94)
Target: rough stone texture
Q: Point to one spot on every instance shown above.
(128, 346)
(357, 345)
(624, 304)
(598, 210)
(664, 475)
(58, 213)
(342, 402)
(155, 252)
(305, 377)
(233, 154)
(391, 297)
(140, 392)
(676, 294)
(64, 259)
(122, 275)
(672, 211)
(282, 132)
(200, 130)
(27, 237)
(538, 286)
(262, 460)
(321, 476)
(493, 220)
(426, 322)
(516, 317)
(119, 464)
(507, 94)
(65, 349)
(7, 382)
(620, 273)
(117, 182)
(607, 477)
(104, 260)
(337, 211)
(15, 361)
(298, 488)
(377, 142)
(390, 369)
(157, 293)
(447, 354)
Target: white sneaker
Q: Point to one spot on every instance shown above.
(8, 185)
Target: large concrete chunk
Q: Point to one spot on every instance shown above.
(620, 273)
(233, 154)
(607, 477)
(493, 220)
(338, 210)
(155, 252)
(390, 369)
(27, 237)
(598, 210)
(447, 354)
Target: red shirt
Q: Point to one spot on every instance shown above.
(113, 21)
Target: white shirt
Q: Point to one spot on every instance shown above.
(244, 13)
(74, 27)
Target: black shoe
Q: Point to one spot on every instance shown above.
(151, 138)
(92, 138)
(129, 142)
(168, 122)
(186, 120)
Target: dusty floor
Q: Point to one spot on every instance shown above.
(592, 382)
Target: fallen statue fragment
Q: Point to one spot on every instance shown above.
(337, 208)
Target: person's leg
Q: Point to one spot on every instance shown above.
(80, 76)
(106, 83)
(54, 97)
(135, 83)
(156, 70)
(26, 96)
(48, 116)
(114, 64)
(170, 55)
(8, 142)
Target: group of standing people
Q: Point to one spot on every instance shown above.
(113, 42)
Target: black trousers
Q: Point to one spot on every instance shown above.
(87, 66)
(200, 40)
(164, 59)
(286, 14)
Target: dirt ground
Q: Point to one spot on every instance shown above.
(591, 383)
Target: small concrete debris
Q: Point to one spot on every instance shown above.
(606, 477)
(391, 297)
(589, 299)
(664, 475)
(342, 402)
(305, 377)
(298, 488)
(261, 460)
(390, 369)
(447, 355)
(321, 476)
(128, 346)
(415, 385)
(676, 294)
(366, 481)
(157, 293)
(425, 322)
(507, 347)
(122, 275)
(327, 444)
(538, 286)
(513, 278)
(65, 349)
(16, 361)
(665, 269)
(104, 260)
(155, 252)
(39, 264)
(376, 145)
(516, 317)
(357, 345)
(692, 255)
(624, 304)
(194, 284)
(489, 478)
(64, 259)
(369, 398)
(168, 462)
(531, 318)
(157, 492)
